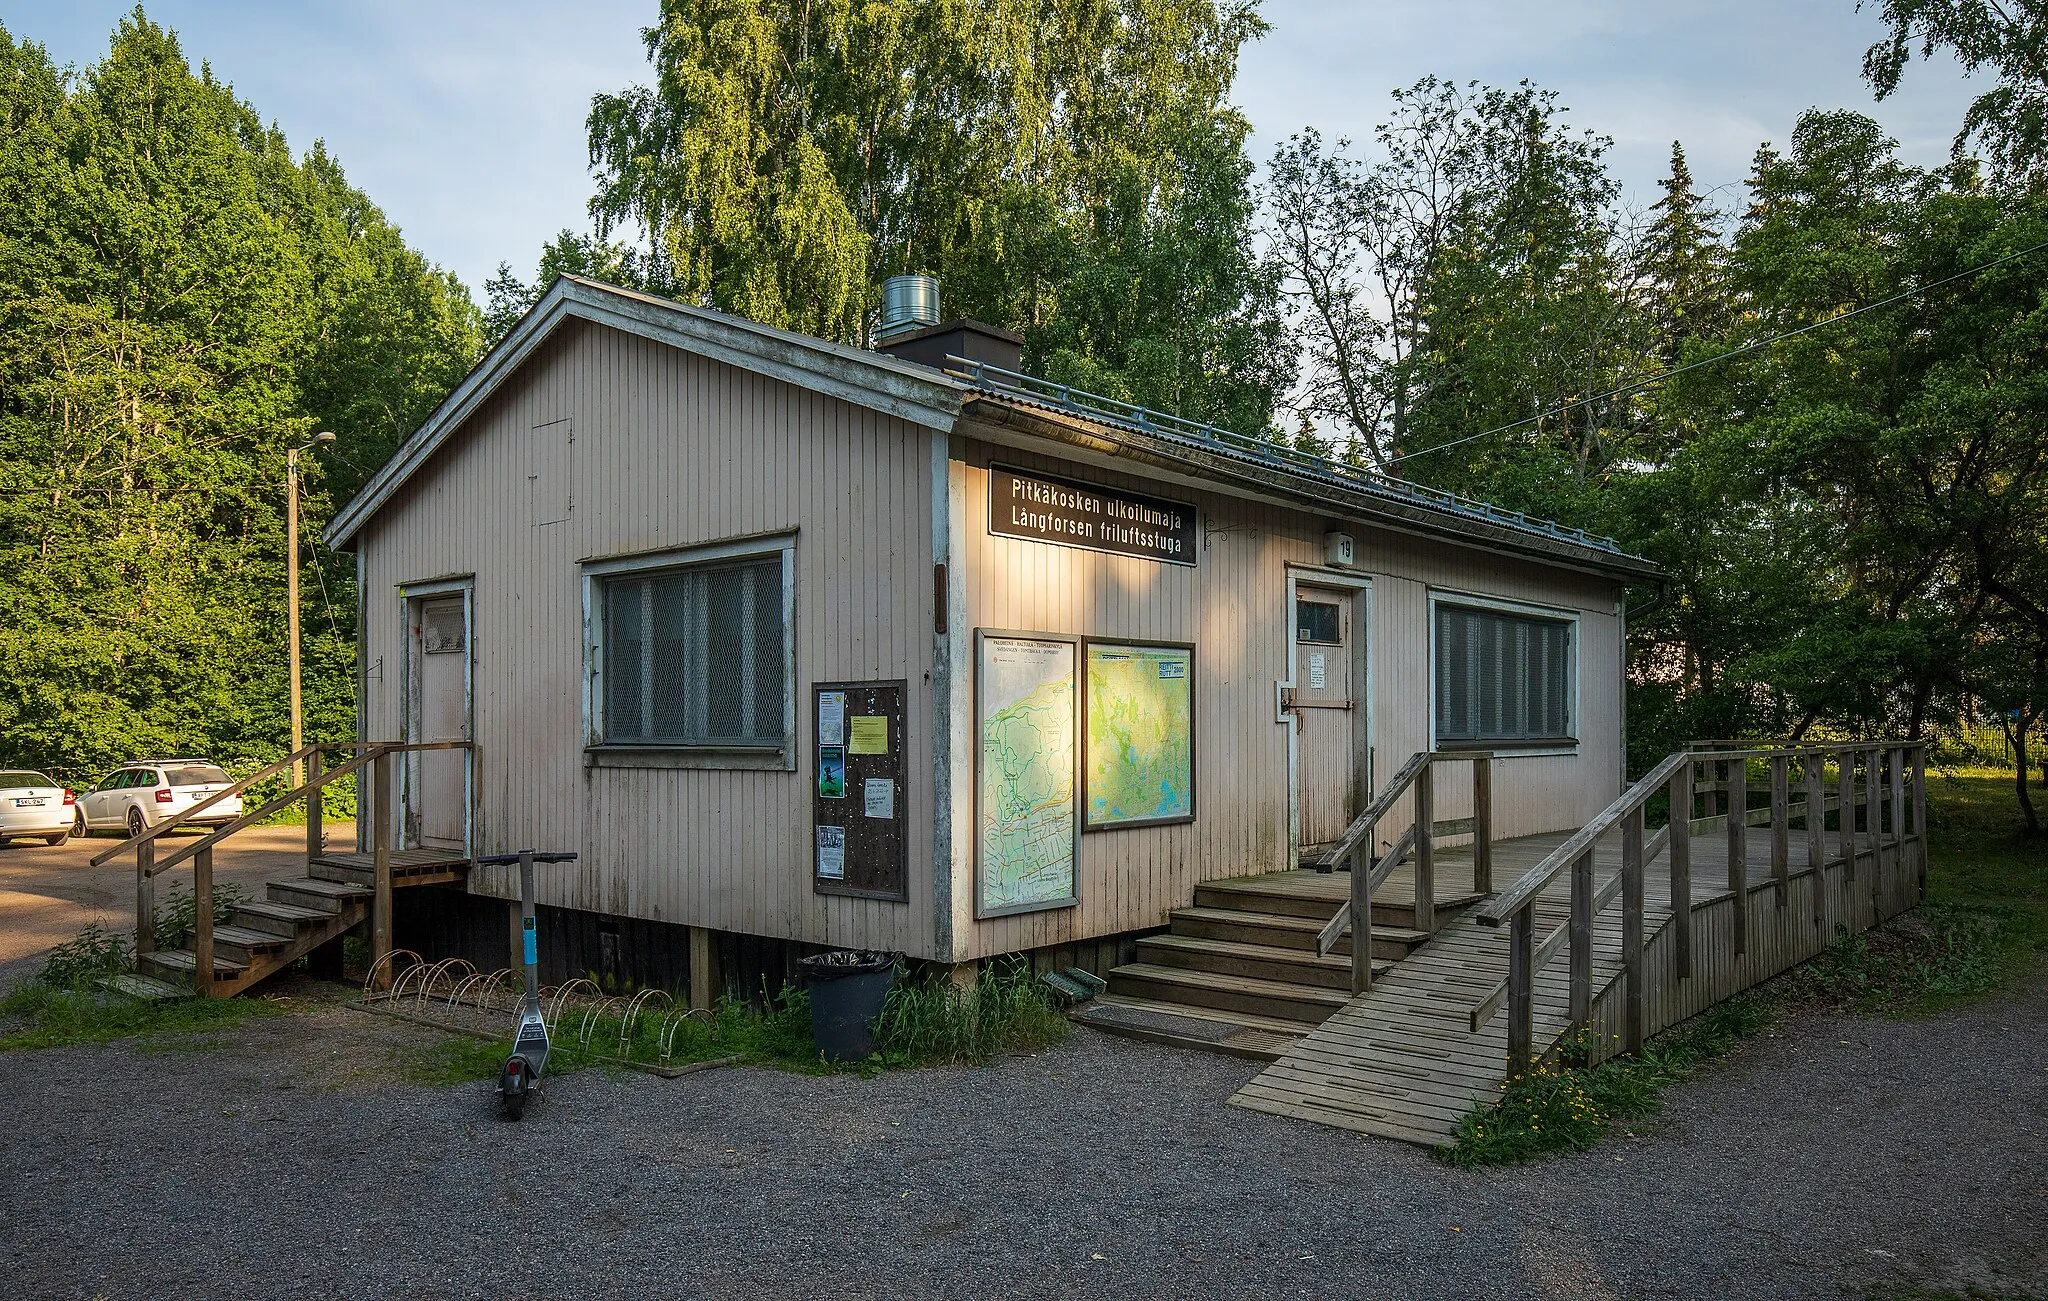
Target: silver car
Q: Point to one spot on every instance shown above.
(33, 805)
(137, 797)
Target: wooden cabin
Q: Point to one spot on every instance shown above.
(801, 645)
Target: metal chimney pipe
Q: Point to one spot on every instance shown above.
(909, 303)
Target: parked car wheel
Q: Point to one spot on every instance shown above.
(136, 826)
(78, 827)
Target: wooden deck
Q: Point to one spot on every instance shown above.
(408, 867)
(1401, 1061)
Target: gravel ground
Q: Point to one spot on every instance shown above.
(286, 1158)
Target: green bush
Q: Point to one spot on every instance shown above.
(92, 953)
(936, 1022)
(175, 916)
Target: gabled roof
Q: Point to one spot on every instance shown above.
(871, 379)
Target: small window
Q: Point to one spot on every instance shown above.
(1502, 678)
(14, 781)
(695, 655)
(1318, 621)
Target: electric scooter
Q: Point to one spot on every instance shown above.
(520, 1078)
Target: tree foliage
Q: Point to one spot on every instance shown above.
(1067, 168)
(2008, 37)
(181, 300)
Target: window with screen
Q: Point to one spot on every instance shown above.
(1502, 678)
(695, 655)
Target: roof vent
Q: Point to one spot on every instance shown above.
(908, 303)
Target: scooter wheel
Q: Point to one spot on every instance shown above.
(515, 1105)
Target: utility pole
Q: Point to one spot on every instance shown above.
(291, 580)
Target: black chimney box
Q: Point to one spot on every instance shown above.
(970, 339)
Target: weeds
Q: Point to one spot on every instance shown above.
(180, 909)
(935, 1022)
(92, 953)
(52, 1016)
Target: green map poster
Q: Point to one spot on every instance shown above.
(1025, 806)
(1141, 734)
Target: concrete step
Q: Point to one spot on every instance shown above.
(1254, 1038)
(1269, 998)
(1258, 961)
(1284, 932)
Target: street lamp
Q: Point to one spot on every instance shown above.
(291, 578)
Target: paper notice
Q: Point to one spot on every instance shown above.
(1318, 671)
(832, 853)
(832, 772)
(870, 734)
(880, 797)
(832, 718)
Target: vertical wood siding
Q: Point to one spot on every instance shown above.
(1233, 606)
(669, 450)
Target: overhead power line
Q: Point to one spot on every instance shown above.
(1636, 386)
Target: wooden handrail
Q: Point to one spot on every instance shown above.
(1362, 826)
(1883, 789)
(151, 833)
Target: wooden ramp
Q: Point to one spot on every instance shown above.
(1715, 910)
(1401, 1061)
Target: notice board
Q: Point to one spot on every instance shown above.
(858, 845)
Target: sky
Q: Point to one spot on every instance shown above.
(463, 119)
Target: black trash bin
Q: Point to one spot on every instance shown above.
(847, 988)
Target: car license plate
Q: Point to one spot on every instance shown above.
(34, 803)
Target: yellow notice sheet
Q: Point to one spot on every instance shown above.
(870, 734)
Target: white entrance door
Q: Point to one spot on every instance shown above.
(1329, 711)
(437, 807)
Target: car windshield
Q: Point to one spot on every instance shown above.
(199, 774)
(10, 781)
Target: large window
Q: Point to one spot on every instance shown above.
(694, 654)
(1502, 678)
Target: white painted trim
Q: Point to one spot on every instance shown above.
(593, 574)
(1530, 609)
(409, 771)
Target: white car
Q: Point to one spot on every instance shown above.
(33, 805)
(137, 797)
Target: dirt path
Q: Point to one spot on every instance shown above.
(47, 892)
(287, 1160)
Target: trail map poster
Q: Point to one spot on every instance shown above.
(1140, 751)
(1026, 817)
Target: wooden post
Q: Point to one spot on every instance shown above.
(1898, 775)
(1681, 866)
(1361, 919)
(1521, 1002)
(315, 834)
(1425, 850)
(703, 969)
(1845, 810)
(1781, 827)
(1920, 815)
(1582, 941)
(1632, 928)
(1817, 831)
(202, 922)
(1873, 825)
(1738, 849)
(380, 858)
(145, 900)
(1482, 824)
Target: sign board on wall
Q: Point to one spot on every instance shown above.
(1024, 505)
(1027, 819)
(857, 822)
(1140, 734)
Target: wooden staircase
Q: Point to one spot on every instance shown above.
(340, 892)
(1238, 972)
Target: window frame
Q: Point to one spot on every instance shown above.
(1568, 744)
(598, 752)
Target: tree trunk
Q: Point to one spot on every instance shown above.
(2018, 732)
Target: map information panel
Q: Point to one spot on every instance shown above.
(1141, 734)
(1025, 805)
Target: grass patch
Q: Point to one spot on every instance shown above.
(1984, 920)
(930, 1022)
(47, 1016)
